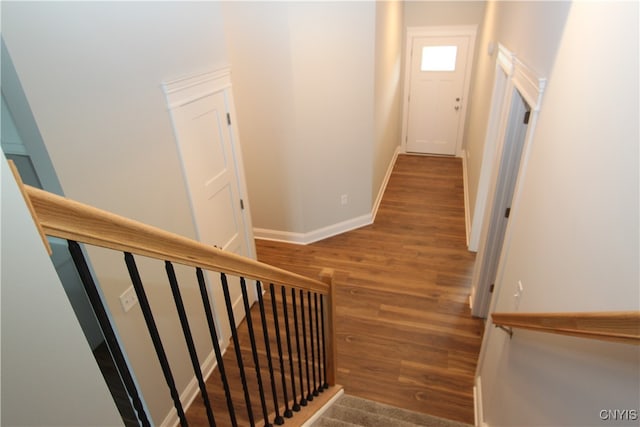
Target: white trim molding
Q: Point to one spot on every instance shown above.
(510, 73)
(192, 87)
(512, 77)
(477, 403)
(187, 89)
(383, 186)
(315, 235)
(465, 185)
(192, 390)
(523, 77)
(469, 31)
(505, 59)
(530, 86)
(334, 229)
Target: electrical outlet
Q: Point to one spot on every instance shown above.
(128, 299)
(344, 199)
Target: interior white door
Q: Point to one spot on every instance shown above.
(435, 118)
(487, 261)
(210, 169)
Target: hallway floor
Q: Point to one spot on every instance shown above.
(405, 334)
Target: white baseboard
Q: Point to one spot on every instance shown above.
(207, 367)
(330, 230)
(339, 228)
(467, 210)
(192, 390)
(477, 403)
(322, 410)
(315, 235)
(383, 187)
(279, 236)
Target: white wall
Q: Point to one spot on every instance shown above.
(49, 376)
(26, 163)
(92, 74)
(303, 84)
(388, 94)
(531, 30)
(574, 232)
(423, 13)
(258, 41)
(333, 82)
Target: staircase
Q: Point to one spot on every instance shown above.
(286, 362)
(351, 411)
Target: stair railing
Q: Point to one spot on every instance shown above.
(617, 326)
(305, 307)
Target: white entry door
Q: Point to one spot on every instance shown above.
(210, 165)
(436, 102)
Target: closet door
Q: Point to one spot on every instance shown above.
(211, 165)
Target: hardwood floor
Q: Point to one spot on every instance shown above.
(405, 333)
(405, 336)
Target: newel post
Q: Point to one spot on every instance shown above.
(326, 276)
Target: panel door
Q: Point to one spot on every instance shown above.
(205, 145)
(437, 78)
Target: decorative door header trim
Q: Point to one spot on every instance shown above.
(187, 89)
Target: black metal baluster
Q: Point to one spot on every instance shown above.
(236, 345)
(304, 340)
(278, 420)
(314, 389)
(254, 350)
(155, 336)
(274, 308)
(188, 337)
(285, 310)
(107, 329)
(324, 343)
(303, 399)
(216, 344)
(319, 388)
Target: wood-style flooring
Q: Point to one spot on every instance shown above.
(405, 333)
(405, 336)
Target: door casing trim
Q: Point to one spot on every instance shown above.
(517, 77)
(438, 31)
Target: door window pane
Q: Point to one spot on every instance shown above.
(439, 58)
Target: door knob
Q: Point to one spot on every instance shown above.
(457, 99)
(457, 107)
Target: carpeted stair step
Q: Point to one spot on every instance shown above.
(350, 411)
(332, 422)
(359, 417)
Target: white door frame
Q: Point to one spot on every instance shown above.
(193, 87)
(531, 87)
(438, 31)
(511, 75)
(186, 90)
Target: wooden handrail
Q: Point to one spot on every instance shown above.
(617, 326)
(68, 219)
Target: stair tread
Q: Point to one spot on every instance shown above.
(361, 417)
(362, 412)
(333, 422)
